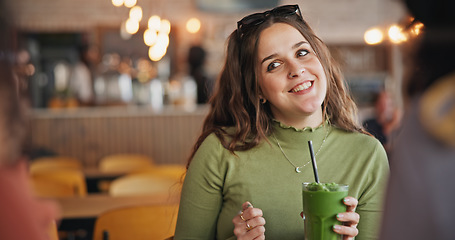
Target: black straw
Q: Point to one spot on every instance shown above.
(313, 161)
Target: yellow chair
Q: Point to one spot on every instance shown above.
(59, 183)
(174, 172)
(138, 223)
(54, 162)
(124, 162)
(141, 184)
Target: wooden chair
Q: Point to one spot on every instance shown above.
(124, 162)
(139, 223)
(54, 162)
(142, 184)
(59, 183)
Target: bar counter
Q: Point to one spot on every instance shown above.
(91, 133)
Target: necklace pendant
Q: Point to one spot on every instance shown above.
(297, 170)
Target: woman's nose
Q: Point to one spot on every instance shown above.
(295, 70)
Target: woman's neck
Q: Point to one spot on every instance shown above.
(301, 123)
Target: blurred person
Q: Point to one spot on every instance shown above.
(386, 120)
(420, 197)
(81, 82)
(22, 216)
(244, 178)
(196, 61)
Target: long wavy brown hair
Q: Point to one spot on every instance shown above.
(236, 101)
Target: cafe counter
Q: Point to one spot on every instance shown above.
(91, 133)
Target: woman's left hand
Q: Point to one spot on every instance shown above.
(350, 219)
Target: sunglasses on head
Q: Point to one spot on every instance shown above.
(258, 18)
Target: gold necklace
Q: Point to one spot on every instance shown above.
(297, 168)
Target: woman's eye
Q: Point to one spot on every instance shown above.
(273, 65)
(302, 53)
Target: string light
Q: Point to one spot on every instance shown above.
(136, 13)
(150, 37)
(154, 22)
(117, 3)
(131, 26)
(373, 36)
(396, 34)
(130, 3)
(165, 26)
(156, 36)
(193, 25)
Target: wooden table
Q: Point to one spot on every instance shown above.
(93, 176)
(96, 173)
(94, 204)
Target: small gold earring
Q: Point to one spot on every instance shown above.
(263, 100)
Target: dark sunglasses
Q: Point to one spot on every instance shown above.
(258, 18)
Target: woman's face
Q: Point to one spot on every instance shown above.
(290, 76)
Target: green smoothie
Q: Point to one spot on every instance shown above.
(321, 203)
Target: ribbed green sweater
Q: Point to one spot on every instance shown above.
(218, 182)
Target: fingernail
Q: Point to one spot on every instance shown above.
(339, 215)
(249, 205)
(336, 227)
(346, 200)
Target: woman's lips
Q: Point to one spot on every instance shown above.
(301, 87)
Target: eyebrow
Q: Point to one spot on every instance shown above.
(297, 45)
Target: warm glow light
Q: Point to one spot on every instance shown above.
(130, 3)
(154, 22)
(117, 3)
(163, 40)
(136, 13)
(131, 26)
(373, 36)
(417, 28)
(165, 26)
(150, 37)
(156, 52)
(396, 34)
(193, 25)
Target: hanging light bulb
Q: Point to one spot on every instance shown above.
(163, 40)
(130, 3)
(396, 34)
(156, 52)
(165, 26)
(373, 36)
(417, 28)
(150, 37)
(154, 22)
(193, 25)
(132, 26)
(136, 13)
(117, 3)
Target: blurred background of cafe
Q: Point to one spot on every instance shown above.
(109, 76)
(131, 79)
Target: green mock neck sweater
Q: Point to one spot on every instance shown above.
(218, 182)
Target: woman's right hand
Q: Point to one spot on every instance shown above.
(249, 223)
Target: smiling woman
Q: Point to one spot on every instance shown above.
(291, 76)
(279, 89)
